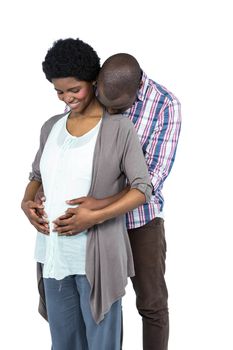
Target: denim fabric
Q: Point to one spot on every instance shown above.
(71, 323)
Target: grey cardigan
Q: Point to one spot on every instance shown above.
(117, 156)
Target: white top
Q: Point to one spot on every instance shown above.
(66, 171)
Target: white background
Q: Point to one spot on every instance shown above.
(184, 45)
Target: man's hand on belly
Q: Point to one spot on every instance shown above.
(75, 220)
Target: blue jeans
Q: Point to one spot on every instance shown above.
(71, 323)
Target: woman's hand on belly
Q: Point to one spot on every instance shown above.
(75, 221)
(33, 212)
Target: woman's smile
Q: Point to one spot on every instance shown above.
(73, 105)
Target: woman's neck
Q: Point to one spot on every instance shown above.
(80, 123)
(93, 110)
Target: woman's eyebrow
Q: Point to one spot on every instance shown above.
(70, 89)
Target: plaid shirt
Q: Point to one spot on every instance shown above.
(157, 119)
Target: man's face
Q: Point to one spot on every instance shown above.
(118, 105)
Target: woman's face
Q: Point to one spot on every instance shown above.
(77, 94)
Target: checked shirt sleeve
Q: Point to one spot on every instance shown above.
(161, 150)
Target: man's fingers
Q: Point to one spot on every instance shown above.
(76, 200)
(64, 230)
(71, 211)
(63, 222)
(64, 217)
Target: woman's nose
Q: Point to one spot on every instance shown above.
(68, 98)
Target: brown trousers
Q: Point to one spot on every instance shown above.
(149, 252)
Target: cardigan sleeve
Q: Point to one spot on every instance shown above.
(133, 163)
(35, 173)
(44, 133)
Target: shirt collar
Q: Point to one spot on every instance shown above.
(143, 88)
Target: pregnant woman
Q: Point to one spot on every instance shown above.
(84, 152)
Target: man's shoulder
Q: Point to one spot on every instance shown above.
(158, 90)
(166, 93)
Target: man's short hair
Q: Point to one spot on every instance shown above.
(119, 75)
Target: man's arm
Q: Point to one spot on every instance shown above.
(160, 154)
(79, 219)
(95, 204)
(30, 207)
(134, 167)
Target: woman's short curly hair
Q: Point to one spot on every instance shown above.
(71, 58)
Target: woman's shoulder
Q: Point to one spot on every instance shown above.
(119, 128)
(52, 120)
(48, 125)
(119, 119)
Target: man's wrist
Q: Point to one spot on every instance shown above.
(99, 217)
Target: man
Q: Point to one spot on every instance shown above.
(155, 113)
(124, 88)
